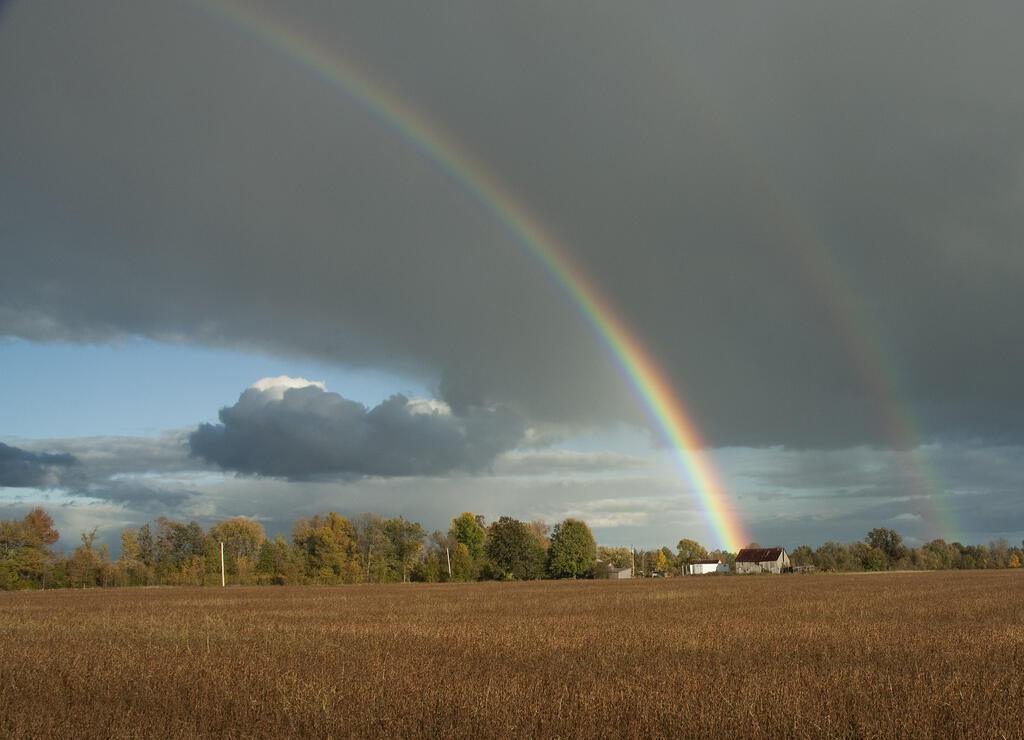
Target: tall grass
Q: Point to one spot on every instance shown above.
(909, 655)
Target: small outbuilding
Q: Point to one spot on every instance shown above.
(762, 560)
(703, 567)
(617, 574)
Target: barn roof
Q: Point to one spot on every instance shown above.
(759, 555)
(705, 562)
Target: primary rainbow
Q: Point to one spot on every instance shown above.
(662, 402)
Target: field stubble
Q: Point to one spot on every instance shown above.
(925, 654)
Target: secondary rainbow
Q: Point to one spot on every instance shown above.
(807, 246)
(661, 401)
(862, 338)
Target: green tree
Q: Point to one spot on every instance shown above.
(243, 538)
(129, 558)
(430, 568)
(25, 555)
(513, 551)
(690, 550)
(660, 562)
(921, 558)
(671, 561)
(405, 543)
(618, 557)
(329, 548)
(943, 555)
(132, 566)
(835, 556)
(802, 555)
(280, 563)
(467, 530)
(439, 547)
(84, 563)
(181, 551)
(147, 547)
(372, 546)
(982, 556)
(463, 567)
(872, 559)
(573, 551)
(888, 541)
(999, 553)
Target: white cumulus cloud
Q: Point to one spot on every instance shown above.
(275, 387)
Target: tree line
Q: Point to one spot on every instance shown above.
(332, 549)
(326, 549)
(881, 549)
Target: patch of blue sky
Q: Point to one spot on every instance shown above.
(143, 388)
(37, 496)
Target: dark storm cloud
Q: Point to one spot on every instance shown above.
(307, 433)
(790, 205)
(23, 469)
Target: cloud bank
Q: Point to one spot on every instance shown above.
(302, 431)
(23, 469)
(809, 238)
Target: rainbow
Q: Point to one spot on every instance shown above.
(662, 403)
(873, 361)
(865, 345)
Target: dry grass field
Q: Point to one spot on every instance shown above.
(907, 655)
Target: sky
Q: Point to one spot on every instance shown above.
(731, 272)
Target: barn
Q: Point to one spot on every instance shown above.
(703, 567)
(762, 560)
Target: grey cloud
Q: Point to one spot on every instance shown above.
(951, 470)
(978, 520)
(813, 496)
(789, 206)
(103, 457)
(23, 469)
(139, 495)
(309, 433)
(151, 475)
(981, 491)
(564, 461)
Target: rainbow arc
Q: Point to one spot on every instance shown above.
(661, 400)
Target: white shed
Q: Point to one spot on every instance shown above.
(703, 567)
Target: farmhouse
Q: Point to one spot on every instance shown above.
(703, 567)
(762, 560)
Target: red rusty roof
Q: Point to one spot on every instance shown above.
(759, 555)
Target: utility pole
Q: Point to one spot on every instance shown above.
(222, 564)
(449, 558)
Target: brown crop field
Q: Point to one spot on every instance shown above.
(892, 655)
